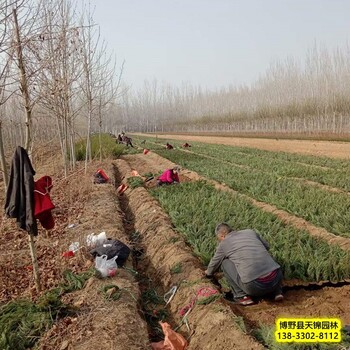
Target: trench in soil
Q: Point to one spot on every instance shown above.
(150, 286)
(252, 324)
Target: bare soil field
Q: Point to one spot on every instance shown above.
(334, 149)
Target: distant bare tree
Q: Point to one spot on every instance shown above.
(97, 81)
(25, 29)
(60, 49)
(108, 92)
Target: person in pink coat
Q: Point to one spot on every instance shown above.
(169, 176)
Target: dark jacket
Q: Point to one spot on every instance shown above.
(19, 202)
(169, 146)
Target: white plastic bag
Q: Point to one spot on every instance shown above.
(106, 267)
(74, 247)
(93, 240)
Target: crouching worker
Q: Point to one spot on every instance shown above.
(168, 146)
(169, 176)
(247, 265)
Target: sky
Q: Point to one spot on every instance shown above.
(215, 43)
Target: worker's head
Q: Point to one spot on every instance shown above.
(176, 169)
(222, 230)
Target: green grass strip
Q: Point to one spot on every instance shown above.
(320, 161)
(335, 177)
(110, 149)
(135, 181)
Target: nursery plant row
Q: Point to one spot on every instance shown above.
(269, 162)
(319, 161)
(316, 205)
(196, 207)
(334, 174)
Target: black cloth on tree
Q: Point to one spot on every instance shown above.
(19, 201)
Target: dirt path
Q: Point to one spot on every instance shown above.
(101, 322)
(323, 302)
(333, 149)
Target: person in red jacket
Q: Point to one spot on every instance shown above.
(169, 176)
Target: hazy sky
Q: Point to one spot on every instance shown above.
(215, 43)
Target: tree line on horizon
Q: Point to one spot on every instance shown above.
(308, 96)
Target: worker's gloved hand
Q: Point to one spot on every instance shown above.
(175, 182)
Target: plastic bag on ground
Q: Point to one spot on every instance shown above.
(112, 248)
(74, 247)
(172, 341)
(93, 240)
(122, 188)
(107, 267)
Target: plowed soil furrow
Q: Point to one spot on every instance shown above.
(211, 326)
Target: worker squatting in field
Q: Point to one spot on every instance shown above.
(247, 265)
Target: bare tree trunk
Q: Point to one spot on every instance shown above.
(24, 85)
(3, 161)
(60, 136)
(100, 127)
(100, 139)
(88, 155)
(35, 262)
(66, 144)
(72, 147)
(28, 141)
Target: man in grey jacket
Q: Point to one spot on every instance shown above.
(247, 265)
